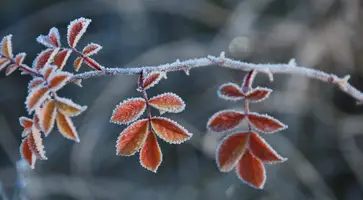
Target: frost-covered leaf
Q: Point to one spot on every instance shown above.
(132, 138)
(36, 97)
(35, 142)
(76, 29)
(128, 111)
(26, 153)
(258, 94)
(44, 58)
(168, 102)
(52, 40)
(7, 46)
(61, 58)
(151, 80)
(47, 116)
(35, 82)
(19, 58)
(47, 71)
(262, 150)
(150, 154)
(58, 79)
(10, 69)
(93, 64)
(251, 171)
(66, 127)
(225, 120)
(4, 62)
(230, 151)
(91, 49)
(68, 107)
(265, 123)
(230, 91)
(169, 130)
(25, 122)
(77, 63)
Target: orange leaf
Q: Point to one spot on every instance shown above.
(58, 79)
(230, 91)
(47, 71)
(52, 40)
(169, 130)
(150, 154)
(128, 111)
(76, 29)
(19, 58)
(35, 142)
(47, 116)
(77, 63)
(151, 80)
(251, 171)
(7, 47)
(66, 127)
(26, 153)
(91, 49)
(25, 122)
(258, 94)
(262, 150)
(225, 120)
(10, 69)
(92, 63)
(265, 123)
(44, 58)
(167, 102)
(132, 138)
(68, 107)
(230, 151)
(3, 63)
(35, 82)
(36, 97)
(62, 57)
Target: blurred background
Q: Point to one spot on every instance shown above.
(325, 135)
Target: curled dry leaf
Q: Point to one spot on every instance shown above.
(61, 58)
(58, 79)
(52, 40)
(225, 120)
(19, 58)
(75, 31)
(66, 127)
(168, 102)
(230, 151)
(77, 63)
(7, 46)
(251, 170)
(265, 123)
(258, 94)
(36, 97)
(169, 130)
(93, 64)
(91, 49)
(44, 58)
(230, 91)
(10, 69)
(47, 116)
(68, 107)
(132, 138)
(150, 154)
(151, 80)
(27, 154)
(35, 142)
(128, 111)
(262, 150)
(4, 62)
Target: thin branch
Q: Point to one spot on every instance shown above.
(268, 69)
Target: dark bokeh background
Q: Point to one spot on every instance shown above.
(323, 141)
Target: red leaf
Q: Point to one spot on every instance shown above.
(91, 49)
(150, 155)
(128, 111)
(10, 69)
(36, 97)
(47, 116)
(92, 63)
(169, 130)
(68, 107)
(62, 57)
(26, 153)
(77, 63)
(251, 171)
(230, 151)
(35, 142)
(167, 102)
(230, 91)
(52, 40)
(76, 29)
(132, 138)
(3, 63)
(265, 123)
(44, 58)
(262, 150)
(225, 120)
(66, 127)
(151, 80)
(58, 79)
(258, 94)
(47, 71)
(7, 47)
(19, 58)
(25, 122)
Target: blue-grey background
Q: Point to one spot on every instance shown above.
(323, 141)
